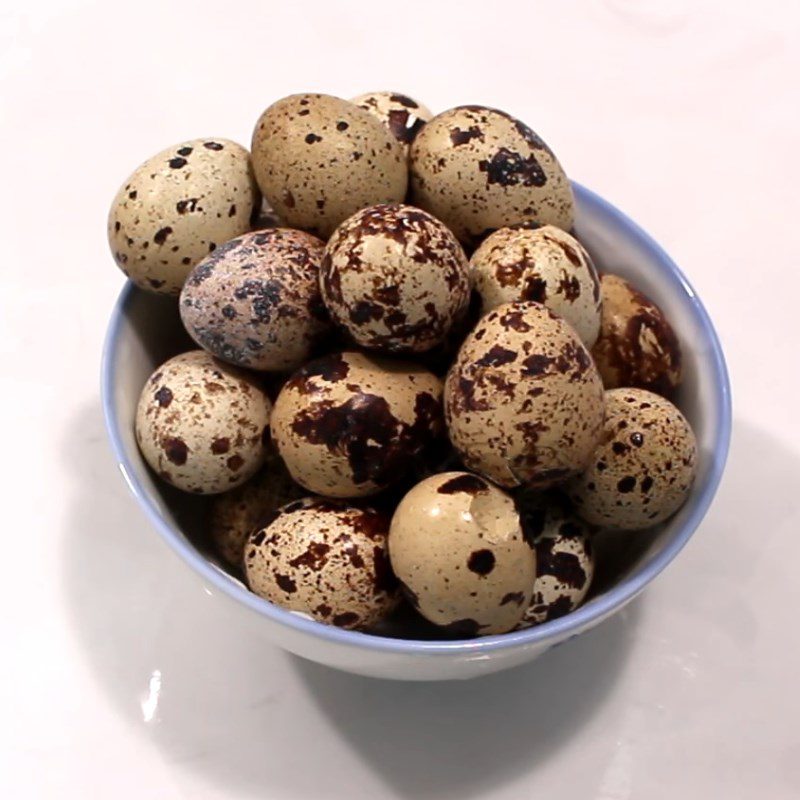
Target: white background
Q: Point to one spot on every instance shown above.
(121, 679)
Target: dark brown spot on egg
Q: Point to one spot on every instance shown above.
(133, 195)
(175, 449)
(481, 562)
(341, 125)
(469, 484)
(212, 145)
(536, 364)
(346, 619)
(177, 163)
(496, 356)
(509, 168)
(314, 558)
(162, 234)
(459, 136)
(626, 484)
(311, 138)
(235, 462)
(513, 597)
(285, 583)
(220, 445)
(185, 151)
(163, 397)
(647, 484)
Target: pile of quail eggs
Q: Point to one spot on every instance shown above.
(411, 384)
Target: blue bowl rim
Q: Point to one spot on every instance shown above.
(557, 629)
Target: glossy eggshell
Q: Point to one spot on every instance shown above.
(644, 466)
(478, 169)
(318, 159)
(324, 559)
(543, 264)
(255, 301)
(637, 346)
(236, 514)
(523, 400)
(395, 279)
(401, 114)
(349, 424)
(458, 549)
(178, 207)
(202, 424)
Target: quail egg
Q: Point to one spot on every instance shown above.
(178, 207)
(401, 114)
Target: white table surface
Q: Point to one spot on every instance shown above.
(120, 679)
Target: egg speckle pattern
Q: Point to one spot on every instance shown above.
(478, 169)
(348, 424)
(324, 559)
(458, 549)
(644, 466)
(178, 207)
(523, 400)
(395, 278)
(543, 264)
(637, 345)
(401, 114)
(201, 424)
(255, 301)
(319, 159)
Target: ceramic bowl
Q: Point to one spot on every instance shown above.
(145, 330)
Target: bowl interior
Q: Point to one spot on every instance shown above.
(145, 330)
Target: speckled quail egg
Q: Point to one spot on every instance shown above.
(523, 399)
(403, 115)
(236, 514)
(325, 559)
(318, 159)
(395, 278)
(459, 551)
(349, 424)
(642, 470)
(201, 424)
(564, 558)
(543, 264)
(637, 346)
(255, 301)
(177, 207)
(478, 169)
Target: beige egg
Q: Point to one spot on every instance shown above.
(236, 514)
(318, 159)
(642, 470)
(478, 169)
(458, 549)
(523, 400)
(564, 558)
(325, 559)
(637, 346)
(349, 424)
(395, 279)
(543, 264)
(178, 207)
(401, 114)
(201, 424)
(255, 301)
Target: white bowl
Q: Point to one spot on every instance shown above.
(145, 330)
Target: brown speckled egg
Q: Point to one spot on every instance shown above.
(177, 207)
(395, 278)
(318, 159)
(478, 169)
(325, 559)
(236, 514)
(637, 346)
(255, 301)
(349, 424)
(401, 114)
(564, 559)
(523, 400)
(459, 551)
(644, 466)
(544, 264)
(201, 424)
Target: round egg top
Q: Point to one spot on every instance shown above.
(401, 114)
(564, 558)
(318, 159)
(642, 470)
(202, 424)
(349, 424)
(637, 345)
(458, 549)
(478, 169)
(325, 559)
(236, 514)
(395, 278)
(178, 207)
(543, 264)
(255, 301)
(523, 400)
